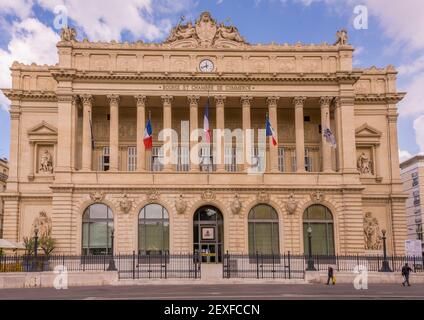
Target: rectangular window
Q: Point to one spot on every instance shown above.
(230, 159)
(258, 160)
(281, 153)
(132, 159)
(293, 161)
(156, 163)
(104, 159)
(206, 159)
(183, 158)
(308, 161)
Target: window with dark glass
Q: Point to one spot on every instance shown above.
(320, 219)
(97, 225)
(263, 230)
(153, 230)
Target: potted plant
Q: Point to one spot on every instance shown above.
(47, 244)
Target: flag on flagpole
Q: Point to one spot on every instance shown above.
(206, 123)
(270, 131)
(148, 139)
(330, 138)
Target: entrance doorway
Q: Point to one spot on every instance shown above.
(208, 234)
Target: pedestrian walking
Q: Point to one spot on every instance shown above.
(331, 276)
(405, 273)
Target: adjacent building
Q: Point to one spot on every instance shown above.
(79, 167)
(412, 175)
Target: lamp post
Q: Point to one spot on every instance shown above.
(385, 265)
(310, 265)
(112, 266)
(35, 247)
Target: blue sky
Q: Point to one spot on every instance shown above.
(395, 35)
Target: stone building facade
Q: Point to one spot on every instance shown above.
(77, 131)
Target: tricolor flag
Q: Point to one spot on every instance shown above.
(206, 123)
(148, 139)
(270, 131)
(330, 138)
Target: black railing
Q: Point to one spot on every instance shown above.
(290, 266)
(129, 266)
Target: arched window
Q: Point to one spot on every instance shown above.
(320, 219)
(263, 230)
(153, 230)
(97, 224)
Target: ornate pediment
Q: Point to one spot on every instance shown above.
(206, 32)
(367, 131)
(43, 132)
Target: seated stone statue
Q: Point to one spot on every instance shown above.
(229, 33)
(181, 32)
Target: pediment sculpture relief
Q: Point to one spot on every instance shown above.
(68, 34)
(43, 224)
(205, 32)
(371, 232)
(364, 164)
(46, 162)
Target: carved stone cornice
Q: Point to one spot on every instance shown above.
(220, 100)
(193, 100)
(113, 99)
(30, 95)
(87, 99)
(272, 101)
(140, 100)
(65, 98)
(167, 100)
(299, 102)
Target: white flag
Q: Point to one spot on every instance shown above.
(330, 138)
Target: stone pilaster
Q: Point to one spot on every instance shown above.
(273, 150)
(247, 124)
(325, 123)
(300, 134)
(141, 125)
(167, 124)
(220, 125)
(87, 102)
(114, 131)
(194, 125)
(64, 138)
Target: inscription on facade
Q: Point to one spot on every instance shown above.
(207, 87)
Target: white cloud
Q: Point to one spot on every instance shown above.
(404, 155)
(19, 8)
(31, 42)
(419, 132)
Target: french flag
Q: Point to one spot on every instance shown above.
(148, 139)
(270, 131)
(206, 123)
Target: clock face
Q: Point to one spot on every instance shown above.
(206, 65)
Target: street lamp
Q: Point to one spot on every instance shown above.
(35, 246)
(385, 265)
(112, 266)
(310, 266)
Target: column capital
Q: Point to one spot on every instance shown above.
(113, 99)
(299, 102)
(325, 101)
(87, 99)
(246, 101)
(75, 99)
(140, 100)
(167, 99)
(220, 100)
(272, 101)
(193, 100)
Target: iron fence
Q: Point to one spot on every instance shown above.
(128, 266)
(290, 266)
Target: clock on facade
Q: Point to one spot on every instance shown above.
(206, 65)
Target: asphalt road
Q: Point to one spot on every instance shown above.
(221, 292)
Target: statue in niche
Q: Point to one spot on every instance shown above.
(46, 162)
(371, 232)
(341, 37)
(68, 34)
(43, 225)
(364, 164)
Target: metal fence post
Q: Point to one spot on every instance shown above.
(133, 265)
(289, 262)
(257, 265)
(166, 270)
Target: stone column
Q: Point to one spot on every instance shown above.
(273, 150)
(15, 117)
(75, 106)
(347, 131)
(325, 123)
(300, 133)
(87, 102)
(141, 126)
(62, 162)
(339, 150)
(167, 124)
(247, 124)
(220, 124)
(194, 124)
(114, 132)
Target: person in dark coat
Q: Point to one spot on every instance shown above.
(405, 273)
(330, 275)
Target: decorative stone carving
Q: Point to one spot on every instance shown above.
(180, 204)
(46, 162)
(291, 204)
(205, 32)
(125, 204)
(153, 195)
(341, 37)
(371, 232)
(317, 196)
(208, 195)
(299, 101)
(364, 164)
(68, 34)
(43, 224)
(236, 204)
(263, 196)
(97, 196)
